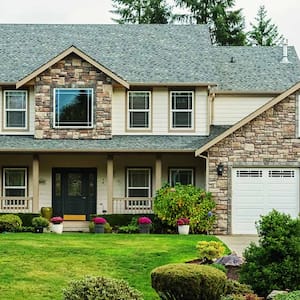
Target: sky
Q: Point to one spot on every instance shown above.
(285, 14)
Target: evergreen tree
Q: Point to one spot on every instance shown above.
(226, 26)
(264, 33)
(142, 11)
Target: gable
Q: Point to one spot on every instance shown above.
(249, 118)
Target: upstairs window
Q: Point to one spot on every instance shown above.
(73, 108)
(181, 175)
(15, 107)
(182, 110)
(139, 110)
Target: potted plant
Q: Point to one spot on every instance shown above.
(39, 223)
(183, 225)
(99, 224)
(144, 224)
(57, 224)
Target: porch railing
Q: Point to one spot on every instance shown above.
(132, 205)
(16, 204)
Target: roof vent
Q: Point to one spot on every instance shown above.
(285, 59)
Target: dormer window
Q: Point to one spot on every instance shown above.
(15, 107)
(73, 108)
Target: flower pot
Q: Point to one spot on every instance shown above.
(144, 228)
(38, 229)
(57, 228)
(183, 229)
(99, 228)
(46, 212)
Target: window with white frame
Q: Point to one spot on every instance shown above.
(182, 116)
(181, 175)
(15, 109)
(139, 109)
(139, 186)
(15, 182)
(73, 108)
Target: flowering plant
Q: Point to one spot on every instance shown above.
(56, 220)
(144, 220)
(99, 220)
(183, 221)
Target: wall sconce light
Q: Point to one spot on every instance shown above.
(220, 169)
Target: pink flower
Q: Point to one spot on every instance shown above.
(183, 221)
(144, 220)
(56, 220)
(99, 220)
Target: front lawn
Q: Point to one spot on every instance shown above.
(38, 266)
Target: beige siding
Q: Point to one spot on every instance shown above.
(228, 110)
(160, 116)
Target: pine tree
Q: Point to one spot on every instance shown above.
(264, 33)
(142, 11)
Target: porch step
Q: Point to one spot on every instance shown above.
(76, 226)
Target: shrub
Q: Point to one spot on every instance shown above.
(188, 281)
(235, 287)
(10, 223)
(241, 297)
(107, 227)
(275, 263)
(219, 267)
(100, 288)
(295, 295)
(40, 222)
(185, 201)
(208, 251)
(132, 227)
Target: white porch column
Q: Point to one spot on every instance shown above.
(35, 181)
(110, 178)
(158, 172)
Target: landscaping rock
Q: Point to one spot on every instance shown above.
(230, 260)
(274, 293)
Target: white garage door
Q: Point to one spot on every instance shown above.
(256, 192)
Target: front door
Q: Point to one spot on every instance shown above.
(74, 191)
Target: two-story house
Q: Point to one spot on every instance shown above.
(96, 118)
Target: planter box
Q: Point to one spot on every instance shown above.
(144, 228)
(99, 228)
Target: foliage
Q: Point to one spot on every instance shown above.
(295, 295)
(99, 220)
(183, 221)
(40, 222)
(185, 201)
(219, 267)
(208, 251)
(264, 33)
(10, 223)
(142, 11)
(107, 227)
(144, 220)
(226, 25)
(56, 220)
(235, 287)
(188, 281)
(132, 227)
(241, 297)
(100, 288)
(275, 263)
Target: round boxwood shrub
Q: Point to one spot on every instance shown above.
(188, 281)
(10, 223)
(100, 288)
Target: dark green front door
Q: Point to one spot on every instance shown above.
(74, 191)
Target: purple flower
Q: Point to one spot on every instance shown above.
(183, 221)
(99, 220)
(144, 220)
(56, 220)
(209, 214)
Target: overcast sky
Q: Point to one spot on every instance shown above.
(285, 14)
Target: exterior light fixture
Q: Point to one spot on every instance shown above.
(220, 169)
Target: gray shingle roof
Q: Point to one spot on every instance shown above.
(116, 144)
(148, 53)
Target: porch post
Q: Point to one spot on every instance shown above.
(35, 181)
(158, 172)
(110, 178)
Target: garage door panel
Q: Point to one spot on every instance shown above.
(256, 192)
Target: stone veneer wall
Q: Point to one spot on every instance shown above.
(72, 72)
(268, 140)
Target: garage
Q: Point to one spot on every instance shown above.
(256, 191)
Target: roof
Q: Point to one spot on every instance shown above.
(148, 54)
(118, 143)
(248, 118)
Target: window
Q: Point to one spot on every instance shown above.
(182, 110)
(182, 176)
(139, 110)
(138, 185)
(15, 107)
(15, 182)
(73, 108)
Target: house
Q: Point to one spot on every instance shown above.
(96, 118)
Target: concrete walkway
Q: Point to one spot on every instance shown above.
(238, 243)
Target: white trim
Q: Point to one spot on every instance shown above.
(188, 110)
(74, 127)
(138, 188)
(14, 187)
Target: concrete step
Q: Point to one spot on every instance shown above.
(76, 226)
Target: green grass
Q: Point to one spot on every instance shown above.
(39, 266)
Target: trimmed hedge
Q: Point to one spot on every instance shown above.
(188, 281)
(25, 217)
